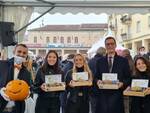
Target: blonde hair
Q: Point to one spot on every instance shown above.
(86, 67)
(29, 67)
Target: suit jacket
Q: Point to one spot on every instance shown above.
(24, 74)
(111, 101)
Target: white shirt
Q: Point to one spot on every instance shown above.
(11, 104)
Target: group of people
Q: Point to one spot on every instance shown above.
(76, 99)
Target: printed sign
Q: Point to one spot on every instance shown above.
(52, 79)
(110, 76)
(80, 76)
(140, 83)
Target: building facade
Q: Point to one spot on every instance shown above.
(65, 39)
(132, 31)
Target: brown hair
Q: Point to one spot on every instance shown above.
(146, 62)
(23, 45)
(46, 65)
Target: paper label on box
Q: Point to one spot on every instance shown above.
(140, 83)
(80, 76)
(110, 76)
(51, 79)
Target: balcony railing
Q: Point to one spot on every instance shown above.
(126, 19)
(124, 36)
(112, 27)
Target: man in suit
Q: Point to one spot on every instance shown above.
(15, 70)
(142, 52)
(110, 100)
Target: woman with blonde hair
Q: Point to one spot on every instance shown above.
(78, 96)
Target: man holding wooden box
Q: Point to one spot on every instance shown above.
(112, 75)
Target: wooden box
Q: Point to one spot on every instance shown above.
(82, 83)
(129, 92)
(55, 87)
(109, 86)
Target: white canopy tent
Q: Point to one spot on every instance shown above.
(100, 43)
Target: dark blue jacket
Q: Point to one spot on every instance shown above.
(92, 65)
(7, 71)
(111, 101)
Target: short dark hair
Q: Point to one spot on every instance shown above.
(23, 45)
(142, 47)
(70, 56)
(110, 37)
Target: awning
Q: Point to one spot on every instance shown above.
(19, 11)
(83, 6)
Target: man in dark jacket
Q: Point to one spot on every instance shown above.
(110, 100)
(68, 66)
(142, 53)
(14, 70)
(92, 65)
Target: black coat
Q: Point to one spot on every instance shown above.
(111, 101)
(76, 103)
(92, 62)
(141, 104)
(48, 101)
(24, 74)
(92, 66)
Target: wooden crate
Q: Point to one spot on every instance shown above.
(60, 87)
(129, 92)
(109, 86)
(82, 83)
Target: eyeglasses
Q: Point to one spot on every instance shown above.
(108, 44)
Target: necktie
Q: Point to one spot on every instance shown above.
(110, 63)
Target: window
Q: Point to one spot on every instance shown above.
(62, 40)
(47, 39)
(149, 21)
(35, 39)
(54, 40)
(76, 40)
(138, 27)
(69, 40)
(129, 31)
(121, 30)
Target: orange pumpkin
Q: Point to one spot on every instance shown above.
(17, 90)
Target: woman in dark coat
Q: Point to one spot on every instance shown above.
(142, 71)
(78, 97)
(47, 102)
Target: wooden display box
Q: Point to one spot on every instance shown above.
(56, 87)
(82, 83)
(109, 86)
(129, 92)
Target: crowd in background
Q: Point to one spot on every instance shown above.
(89, 99)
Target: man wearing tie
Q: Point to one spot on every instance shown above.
(111, 100)
(15, 70)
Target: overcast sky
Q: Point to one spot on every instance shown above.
(56, 19)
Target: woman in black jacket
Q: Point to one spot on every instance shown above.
(142, 71)
(78, 97)
(47, 102)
